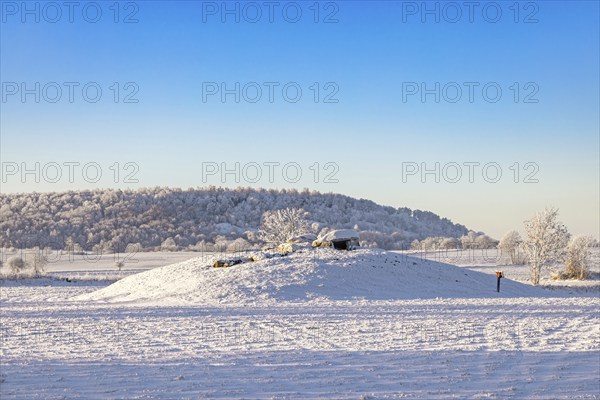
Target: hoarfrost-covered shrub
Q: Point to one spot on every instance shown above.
(16, 265)
(509, 245)
(577, 258)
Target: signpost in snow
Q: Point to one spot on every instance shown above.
(499, 275)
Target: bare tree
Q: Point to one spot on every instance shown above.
(546, 241)
(280, 225)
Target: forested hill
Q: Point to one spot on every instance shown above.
(196, 217)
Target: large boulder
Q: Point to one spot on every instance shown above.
(342, 239)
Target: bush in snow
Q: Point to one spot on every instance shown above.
(546, 241)
(577, 258)
(280, 225)
(16, 265)
(31, 264)
(17, 268)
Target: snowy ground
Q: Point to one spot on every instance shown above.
(334, 325)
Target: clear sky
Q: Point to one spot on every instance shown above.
(388, 89)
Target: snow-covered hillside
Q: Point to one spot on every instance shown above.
(313, 275)
(112, 219)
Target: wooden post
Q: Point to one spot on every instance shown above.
(499, 275)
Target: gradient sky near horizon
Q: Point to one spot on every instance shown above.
(369, 53)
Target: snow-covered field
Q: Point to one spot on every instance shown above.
(362, 324)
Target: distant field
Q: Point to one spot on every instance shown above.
(104, 266)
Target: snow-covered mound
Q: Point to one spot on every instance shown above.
(314, 274)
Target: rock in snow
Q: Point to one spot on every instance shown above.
(340, 234)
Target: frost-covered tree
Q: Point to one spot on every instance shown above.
(280, 225)
(77, 249)
(69, 244)
(168, 245)
(469, 240)
(476, 240)
(577, 258)
(134, 248)
(430, 243)
(221, 244)
(449, 243)
(483, 241)
(239, 245)
(509, 244)
(546, 241)
(37, 260)
(435, 243)
(521, 256)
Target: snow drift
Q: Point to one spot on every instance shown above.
(322, 274)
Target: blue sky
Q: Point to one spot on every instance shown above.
(370, 57)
